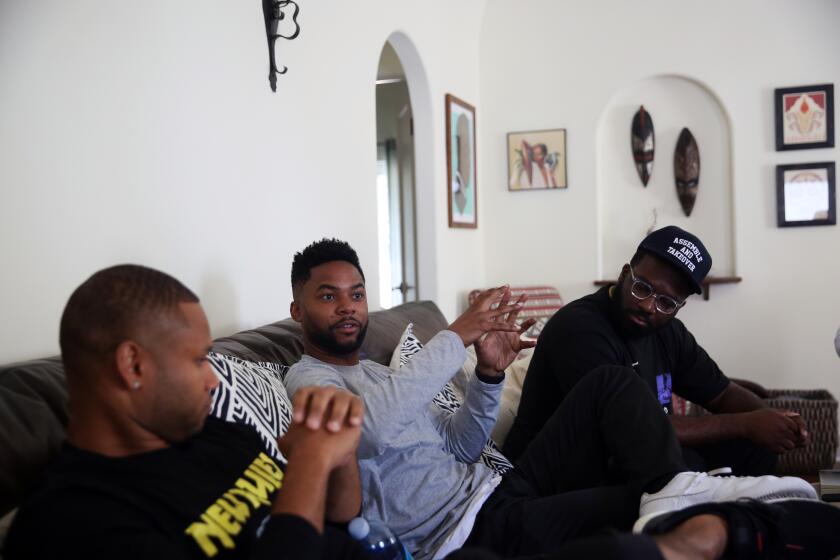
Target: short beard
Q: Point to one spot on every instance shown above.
(327, 342)
(622, 316)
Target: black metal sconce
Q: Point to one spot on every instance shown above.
(273, 14)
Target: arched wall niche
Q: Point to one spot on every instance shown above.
(626, 208)
(419, 92)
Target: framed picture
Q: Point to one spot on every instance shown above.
(805, 194)
(537, 160)
(805, 117)
(460, 163)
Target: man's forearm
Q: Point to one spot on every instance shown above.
(466, 431)
(696, 430)
(344, 495)
(304, 489)
(735, 399)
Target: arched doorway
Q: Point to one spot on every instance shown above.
(395, 183)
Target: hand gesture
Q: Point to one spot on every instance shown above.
(777, 430)
(328, 405)
(479, 318)
(326, 427)
(499, 348)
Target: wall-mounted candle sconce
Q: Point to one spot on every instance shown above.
(273, 13)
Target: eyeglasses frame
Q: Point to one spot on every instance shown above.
(653, 294)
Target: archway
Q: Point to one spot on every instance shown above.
(419, 93)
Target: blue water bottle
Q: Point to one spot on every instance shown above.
(380, 541)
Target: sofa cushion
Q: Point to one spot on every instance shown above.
(511, 394)
(33, 416)
(253, 394)
(278, 343)
(386, 327)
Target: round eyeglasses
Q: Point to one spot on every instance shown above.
(641, 290)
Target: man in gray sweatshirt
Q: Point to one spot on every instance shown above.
(584, 472)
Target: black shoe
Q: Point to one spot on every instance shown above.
(788, 528)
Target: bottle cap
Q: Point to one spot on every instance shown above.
(358, 528)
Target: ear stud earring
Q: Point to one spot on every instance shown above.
(135, 384)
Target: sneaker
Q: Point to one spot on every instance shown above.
(787, 528)
(691, 488)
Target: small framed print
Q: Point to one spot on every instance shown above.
(537, 160)
(805, 195)
(460, 163)
(805, 117)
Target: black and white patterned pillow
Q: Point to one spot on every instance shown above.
(252, 393)
(449, 401)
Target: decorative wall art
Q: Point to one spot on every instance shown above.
(642, 142)
(805, 194)
(537, 160)
(687, 170)
(805, 117)
(460, 163)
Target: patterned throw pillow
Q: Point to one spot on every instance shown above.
(252, 393)
(448, 400)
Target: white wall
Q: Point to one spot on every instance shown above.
(150, 135)
(557, 63)
(627, 209)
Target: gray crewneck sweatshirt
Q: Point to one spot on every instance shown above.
(417, 463)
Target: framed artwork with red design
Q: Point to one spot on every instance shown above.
(805, 117)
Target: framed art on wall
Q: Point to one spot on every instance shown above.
(537, 160)
(460, 163)
(805, 194)
(805, 117)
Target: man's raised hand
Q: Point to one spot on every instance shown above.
(479, 318)
(499, 348)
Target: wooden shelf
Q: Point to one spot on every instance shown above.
(707, 283)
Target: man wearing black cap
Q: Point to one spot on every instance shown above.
(633, 323)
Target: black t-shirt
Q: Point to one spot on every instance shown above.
(207, 497)
(582, 336)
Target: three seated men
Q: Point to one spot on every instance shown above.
(145, 473)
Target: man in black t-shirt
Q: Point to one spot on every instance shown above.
(632, 323)
(145, 474)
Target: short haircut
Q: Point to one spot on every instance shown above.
(111, 306)
(318, 253)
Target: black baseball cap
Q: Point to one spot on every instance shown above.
(682, 250)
